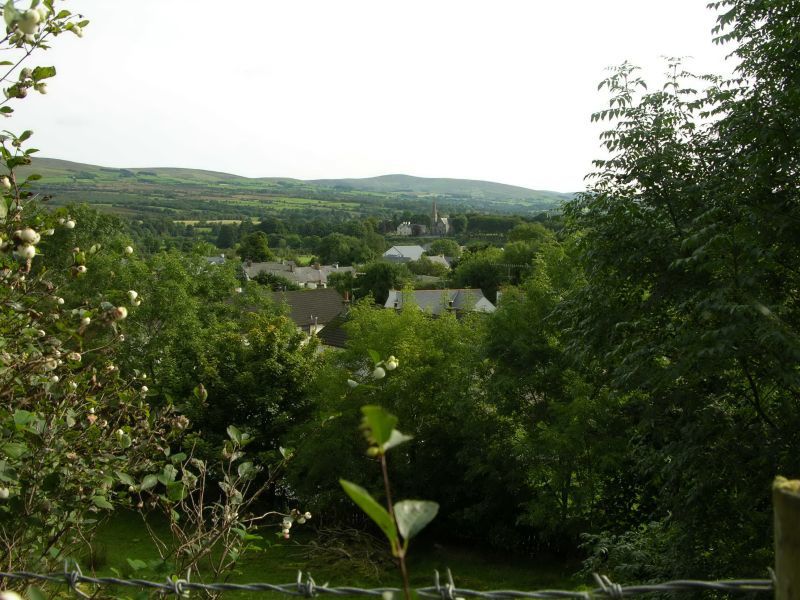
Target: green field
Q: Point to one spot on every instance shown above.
(125, 537)
(193, 195)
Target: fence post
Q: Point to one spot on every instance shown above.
(786, 504)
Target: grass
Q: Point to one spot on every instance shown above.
(125, 537)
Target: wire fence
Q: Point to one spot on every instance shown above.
(306, 587)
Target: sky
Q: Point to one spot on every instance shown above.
(499, 90)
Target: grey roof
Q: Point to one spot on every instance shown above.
(333, 334)
(304, 305)
(293, 273)
(438, 301)
(215, 260)
(404, 253)
(441, 260)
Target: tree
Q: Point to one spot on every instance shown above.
(227, 236)
(380, 277)
(689, 303)
(76, 431)
(445, 247)
(255, 246)
(483, 270)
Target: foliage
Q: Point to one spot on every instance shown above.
(255, 247)
(275, 282)
(399, 521)
(425, 266)
(482, 270)
(380, 277)
(688, 242)
(444, 247)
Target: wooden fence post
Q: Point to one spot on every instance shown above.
(786, 504)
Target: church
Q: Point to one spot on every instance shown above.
(440, 224)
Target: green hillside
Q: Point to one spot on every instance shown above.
(197, 194)
(448, 187)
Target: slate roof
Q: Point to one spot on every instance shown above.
(438, 301)
(333, 334)
(299, 275)
(404, 253)
(323, 303)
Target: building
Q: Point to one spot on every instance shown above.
(440, 224)
(310, 277)
(403, 254)
(437, 302)
(405, 229)
(312, 310)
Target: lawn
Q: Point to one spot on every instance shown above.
(124, 537)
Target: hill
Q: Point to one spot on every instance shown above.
(450, 187)
(197, 194)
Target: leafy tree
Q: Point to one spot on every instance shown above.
(459, 223)
(529, 232)
(380, 277)
(687, 238)
(445, 247)
(343, 249)
(275, 282)
(425, 266)
(227, 236)
(255, 246)
(481, 270)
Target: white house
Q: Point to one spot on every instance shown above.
(405, 228)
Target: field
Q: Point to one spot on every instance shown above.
(124, 538)
(194, 195)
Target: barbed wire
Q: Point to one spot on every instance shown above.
(306, 587)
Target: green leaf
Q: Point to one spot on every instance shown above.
(102, 502)
(136, 564)
(234, 434)
(395, 439)
(179, 457)
(125, 478)
(40, 73)
(413, 515)
(370, 506)
(148, 482)
(10, 14)
(376, 358)
(245, 469)
(34, 593)
(379, 423)
(14, 449)
(176, 491)
(25, 135)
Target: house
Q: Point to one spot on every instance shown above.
(440, 224)
(312, 310)
(216, 260)
(445, 261)
(333, 334)
(405, 228)
(310, 277)
(403, 254)
(437, 302)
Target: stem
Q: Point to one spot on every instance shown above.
(401, 555)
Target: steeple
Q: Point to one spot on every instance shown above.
(434, 215)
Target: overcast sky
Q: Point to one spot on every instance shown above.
(500, 90)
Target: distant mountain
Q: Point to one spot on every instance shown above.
(436, 185)
(198, 194)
